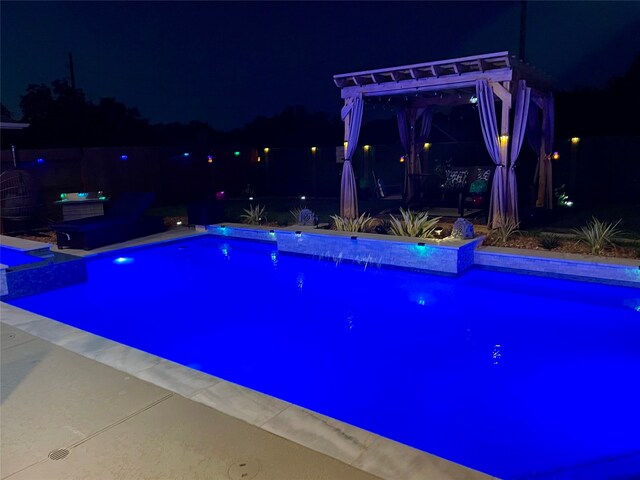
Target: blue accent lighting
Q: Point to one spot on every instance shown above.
(40, 160)
(123, 260)
(124, 157)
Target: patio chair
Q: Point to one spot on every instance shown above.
(123, 221)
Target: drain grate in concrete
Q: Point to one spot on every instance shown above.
(244, 470)
(58, 454)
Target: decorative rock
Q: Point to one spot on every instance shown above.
(462, 229)
(307, 218)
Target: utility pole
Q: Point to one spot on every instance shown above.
(523, 30)
(72, 74)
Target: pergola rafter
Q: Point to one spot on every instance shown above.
(418, 88)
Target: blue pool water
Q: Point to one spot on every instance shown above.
(516, 376)
(12, 257)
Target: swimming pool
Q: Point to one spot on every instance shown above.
(516, 376)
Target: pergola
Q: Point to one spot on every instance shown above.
(417, 90)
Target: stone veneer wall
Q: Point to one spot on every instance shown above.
(445, 257)
(591, 269)
(450, 257)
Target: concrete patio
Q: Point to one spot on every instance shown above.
(116, 426)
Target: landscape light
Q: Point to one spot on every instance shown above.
(556, 156)
(575, 140)
(251, 198)
(438, 231)
(473, 99)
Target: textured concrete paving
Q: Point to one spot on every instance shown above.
(115, 426)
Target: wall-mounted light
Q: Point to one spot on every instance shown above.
(266, 149)
(314, 149)
(504, 138)
(575, 140)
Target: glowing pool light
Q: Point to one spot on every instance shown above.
(123, 260)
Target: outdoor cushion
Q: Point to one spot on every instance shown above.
(483, 174)
(455, 179)
(479, 186)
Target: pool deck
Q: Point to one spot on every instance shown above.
(115, 425)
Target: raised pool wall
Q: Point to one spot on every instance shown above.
(436, 256)
(50, 270)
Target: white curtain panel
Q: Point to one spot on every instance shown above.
(521, 114)
(489, 126)
(352, 116)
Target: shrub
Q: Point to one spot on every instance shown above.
(598, 234)
(361, 224)
(505, 230)
(254, 215)
(413, 224)
(549, 241)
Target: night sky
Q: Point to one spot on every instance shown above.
(227, 63)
